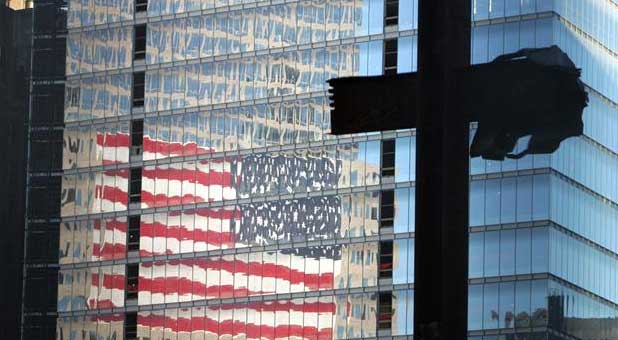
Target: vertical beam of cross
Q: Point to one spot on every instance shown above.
(442, 178)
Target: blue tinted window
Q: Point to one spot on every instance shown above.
(528, 6)
(400, 261)
(507, 304)
(479, 44)
(507, 252)
(492, 201)
(539, 303)
(511, 7)
(404, 54)
(496, 8)
(413, 152)
(412, 209)
(363, 59)
(402, 158)
(477, 203)
(523, 251)
(540, 248)
(375, 58)
(508, 199)
(544, 32)
(480, 9)
(361, 17)
(491, 305)
(526, 36)
(476, 250)
(540, 197)
(407, 14)
(492, 251)
(402, 217)
(524, 198)
(522, 304)
(511, 37)
(376, 16)
(410, 312)
(496, 42)
(544, 5)
(400, 315)
(475, 307)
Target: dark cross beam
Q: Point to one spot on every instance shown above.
(533, 92)
(442, 173)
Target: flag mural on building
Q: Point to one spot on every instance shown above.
(207, 229)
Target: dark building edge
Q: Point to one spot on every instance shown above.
(43, 174)
(15, 35)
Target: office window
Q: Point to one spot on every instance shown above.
(385, 310)
(137, 136)
(132, 281)
(388, 158)
(138, 89)
(390, 57)
(391, 15)
(133, 234)
(386, 260)
(141, 5)
(135, 189)
(387, 209)
(139, 46)
(130, 326)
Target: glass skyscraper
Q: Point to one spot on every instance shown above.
(202, 196)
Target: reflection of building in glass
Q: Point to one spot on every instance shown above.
(202, 197)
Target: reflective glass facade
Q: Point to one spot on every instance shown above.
(202, 196)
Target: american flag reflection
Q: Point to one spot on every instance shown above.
(196, 230)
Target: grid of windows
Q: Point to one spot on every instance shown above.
(208, 177)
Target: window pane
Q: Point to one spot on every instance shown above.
(507, 304)
(540, 246)
(523, 252)
(476, 249)
(475, 307)
(492, 248)
(490, 305)
(400, 261)
(507, 252)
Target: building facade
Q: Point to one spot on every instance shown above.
(202, 196)
(15, 29)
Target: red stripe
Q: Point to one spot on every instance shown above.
(110, 162)
(222, 214)
(115, 224)
(110, 281)
(170, 149)
(112, 140)
(179, 233)
(184, 286)
(232, 327)
(112, 194)
(102, 304)
(307, 307)
(107, 317)
(225, 213)
(188, 175)
(109, 251)
(311, 281)
(187, 198)
(145, 253)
